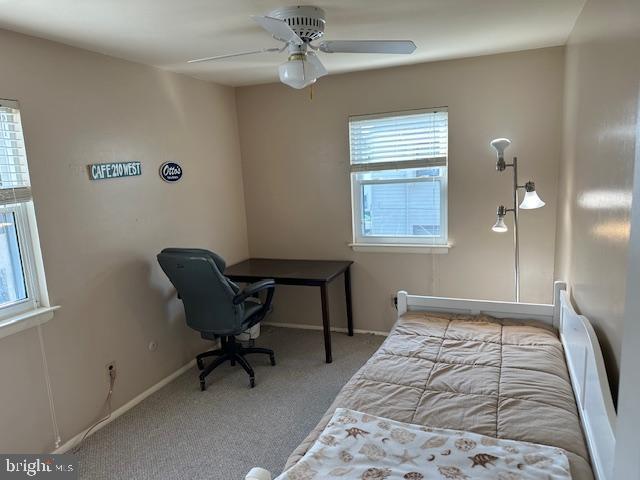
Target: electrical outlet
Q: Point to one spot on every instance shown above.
(111, 370)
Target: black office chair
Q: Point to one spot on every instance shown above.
(215, 306)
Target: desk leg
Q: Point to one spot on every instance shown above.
(347, 296)
(325, 322)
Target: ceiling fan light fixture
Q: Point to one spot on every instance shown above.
(297, 72)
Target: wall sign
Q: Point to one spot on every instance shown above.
(170, 172)
(102, 171)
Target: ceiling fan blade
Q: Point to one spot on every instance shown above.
(278, 28)
(316, 64)
(368, 46)
(220, 57)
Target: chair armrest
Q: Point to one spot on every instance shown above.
(254, 288)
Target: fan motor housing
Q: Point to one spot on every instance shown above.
(307, 21)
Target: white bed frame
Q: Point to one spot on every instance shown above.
(582, 352)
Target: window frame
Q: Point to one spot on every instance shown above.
(35, 307)
(432, 243)
(358, 220)
(22, 216)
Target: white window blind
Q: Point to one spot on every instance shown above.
(414, 139)
(15, 185)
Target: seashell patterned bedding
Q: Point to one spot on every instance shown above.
(388, 450)
(498, 378)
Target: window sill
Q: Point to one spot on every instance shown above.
(399, 248)
(26, 320)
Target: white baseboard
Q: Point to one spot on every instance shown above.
(68, 445)
(319, 327)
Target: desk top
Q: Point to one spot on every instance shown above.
(292, 272)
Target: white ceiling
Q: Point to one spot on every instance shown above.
(166, 33)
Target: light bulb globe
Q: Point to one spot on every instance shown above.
(500, 226)
(500, 144)
(297, 72)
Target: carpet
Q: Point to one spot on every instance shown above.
(180, 432)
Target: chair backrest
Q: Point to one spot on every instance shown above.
(207, 295)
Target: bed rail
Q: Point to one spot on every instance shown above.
(591, 387)
(546, 313)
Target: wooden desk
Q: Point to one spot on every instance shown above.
(314, 273)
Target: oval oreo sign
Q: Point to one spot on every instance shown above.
(170, 172)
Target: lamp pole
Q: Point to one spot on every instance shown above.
(501, 166)
(516, 237)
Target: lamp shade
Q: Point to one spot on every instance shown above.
(301, 70)
(500, 226)
(296, 74)
(531, 199)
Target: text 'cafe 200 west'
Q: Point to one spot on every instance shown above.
(101, 171)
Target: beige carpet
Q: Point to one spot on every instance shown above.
(182, 433)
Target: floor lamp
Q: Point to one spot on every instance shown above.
(530, 201)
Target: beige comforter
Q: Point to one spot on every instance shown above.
(500, 378)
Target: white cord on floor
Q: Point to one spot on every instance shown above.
(112, 381)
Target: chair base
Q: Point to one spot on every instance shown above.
(233, 352)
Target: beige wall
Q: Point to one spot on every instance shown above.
(601, 108)
(295, 156)
(99, 239)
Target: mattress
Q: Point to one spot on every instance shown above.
(506, 379)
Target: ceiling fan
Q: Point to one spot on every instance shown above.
(297, 27)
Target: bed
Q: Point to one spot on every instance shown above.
(527, 372)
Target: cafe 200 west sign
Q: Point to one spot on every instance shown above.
(103, 171)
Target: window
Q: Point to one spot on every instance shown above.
(399, 177)
(19, 287)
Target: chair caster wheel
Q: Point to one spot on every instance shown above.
(273, 360)
(202, 386)
(252, 382)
